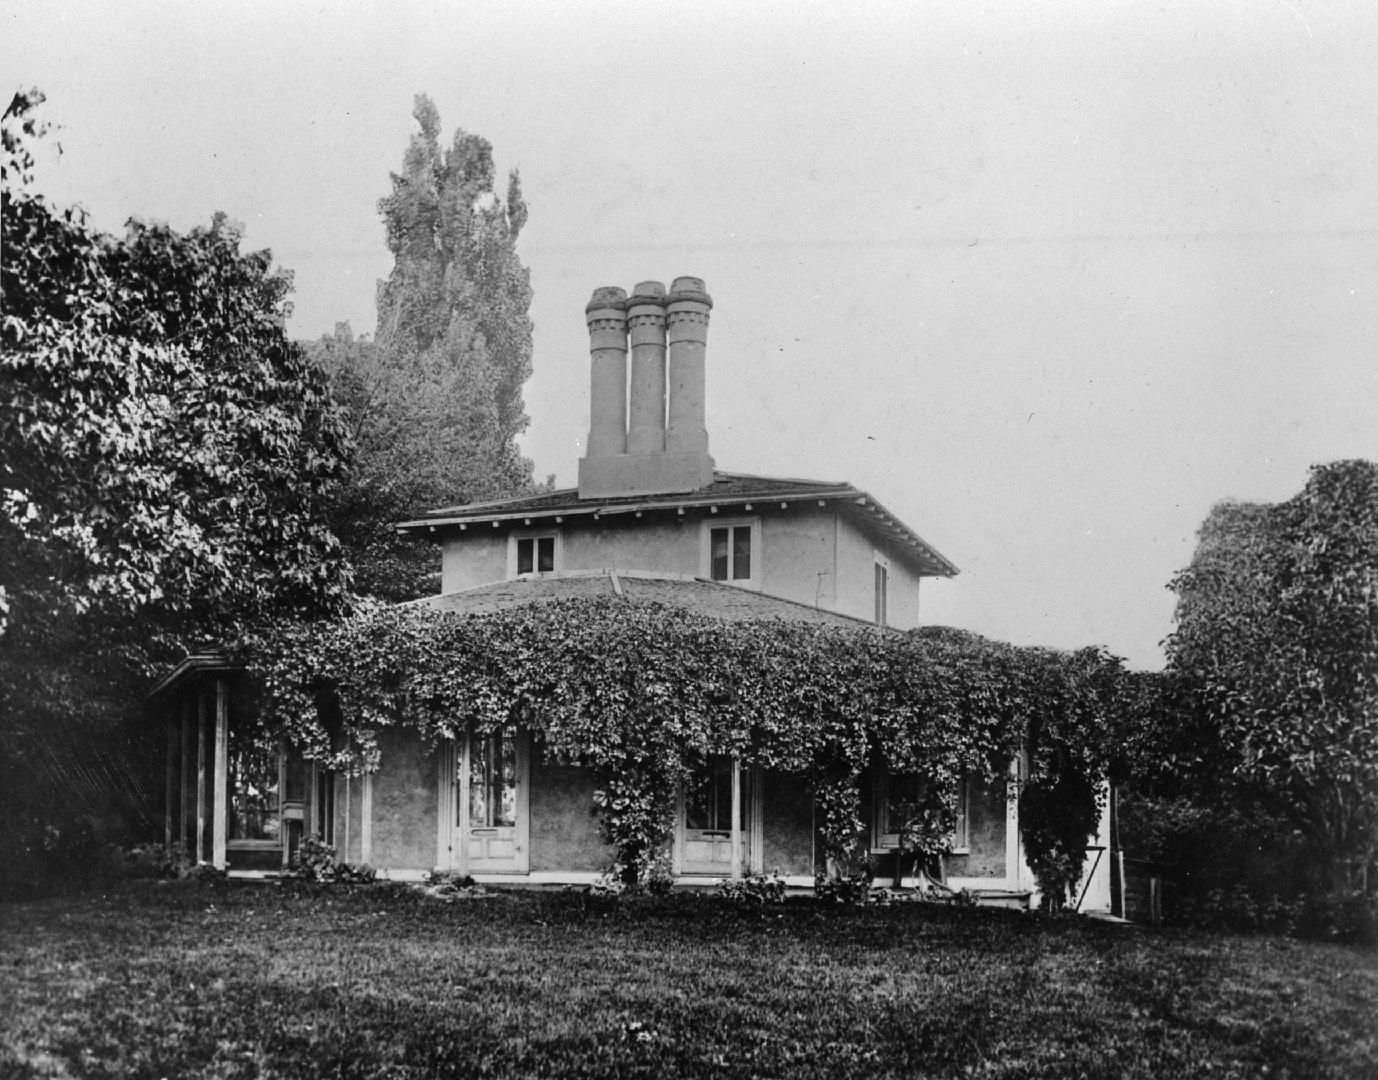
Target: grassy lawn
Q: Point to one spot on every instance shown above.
(250, 980)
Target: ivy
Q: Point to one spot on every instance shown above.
(645, 694)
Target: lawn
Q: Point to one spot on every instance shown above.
(257, 980)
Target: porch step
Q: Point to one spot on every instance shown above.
(1011, 899)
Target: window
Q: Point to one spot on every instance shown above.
(533, 553)
(898, 797)
(708, 799)
(493, 781)
(253, 804)
(732, 552)
(882, 590)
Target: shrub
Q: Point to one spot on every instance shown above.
(754, 891)
(1349, 916)
(315, 861)
(845, 888)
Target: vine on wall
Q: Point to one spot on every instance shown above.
(644, 694)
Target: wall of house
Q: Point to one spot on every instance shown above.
(985, 835)
(786, 825)
(477, 556)
(856, 579)
(798, 556)
(665, 545)
(404, 802)
(564, 830)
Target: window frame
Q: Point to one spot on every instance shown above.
(270, 843)
(536, 535)
(880, 573)
(753, 581)
(883, 841)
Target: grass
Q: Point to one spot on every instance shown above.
(254, 980)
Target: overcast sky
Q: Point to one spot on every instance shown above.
(1047, 280)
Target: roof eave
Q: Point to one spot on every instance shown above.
(617, 509)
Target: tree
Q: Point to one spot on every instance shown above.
(453, 349)
(166, 452)
(435, 402)
(1277, 643)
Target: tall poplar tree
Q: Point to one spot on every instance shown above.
(454, 329)
(434, 402)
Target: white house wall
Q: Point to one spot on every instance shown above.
(475, 557)
(810, 555)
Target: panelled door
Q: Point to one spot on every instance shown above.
(704, 840)
(491, 821)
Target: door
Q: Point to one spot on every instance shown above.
(491, 826)
(704, 833)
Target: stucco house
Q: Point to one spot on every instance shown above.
(652, 517)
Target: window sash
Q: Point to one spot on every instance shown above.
(536, 555)
(708, 799)
(729, 553)
(893, 790)
(493, 780)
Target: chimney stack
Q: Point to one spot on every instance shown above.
(688, 307)
(646, 325)
(607, 322)
(660, 445)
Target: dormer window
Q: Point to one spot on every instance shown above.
(732, 552)
(533, 553)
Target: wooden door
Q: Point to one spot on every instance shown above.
(704, 833)
(491, 821)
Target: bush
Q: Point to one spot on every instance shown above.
(315, 861)
(1344, 916)
(754, 891)
(845, 888)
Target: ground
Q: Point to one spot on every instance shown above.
(260, 980)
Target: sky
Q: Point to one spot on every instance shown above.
(1046, 280)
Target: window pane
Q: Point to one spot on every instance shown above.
(708, 799)
(478, 782)
(882, 597)
(493, 781)
(525, 552)
(718, 554)
(741, 552)
(545, 561)
(504, 796)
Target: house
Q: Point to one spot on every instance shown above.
(651, 518)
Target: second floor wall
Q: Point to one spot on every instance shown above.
(814, 556)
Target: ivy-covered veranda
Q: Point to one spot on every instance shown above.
(645, 733)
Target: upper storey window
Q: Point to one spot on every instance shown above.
(533, 553)
(732, 552)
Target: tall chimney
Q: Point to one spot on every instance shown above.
(607, 322)
(646, 453)
(688, 305)
(646, 326)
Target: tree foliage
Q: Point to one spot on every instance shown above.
(646, 695)
(434, 403)
(436, 400)
(1277, 646)
(165, 450)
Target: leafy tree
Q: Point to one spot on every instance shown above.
(435, 403)
(1277, 644)
(387, 565)
(165, 453)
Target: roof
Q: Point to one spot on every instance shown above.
(191, 666)
(712, 598)
(728, 489)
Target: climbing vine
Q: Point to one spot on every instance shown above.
(645, 694)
